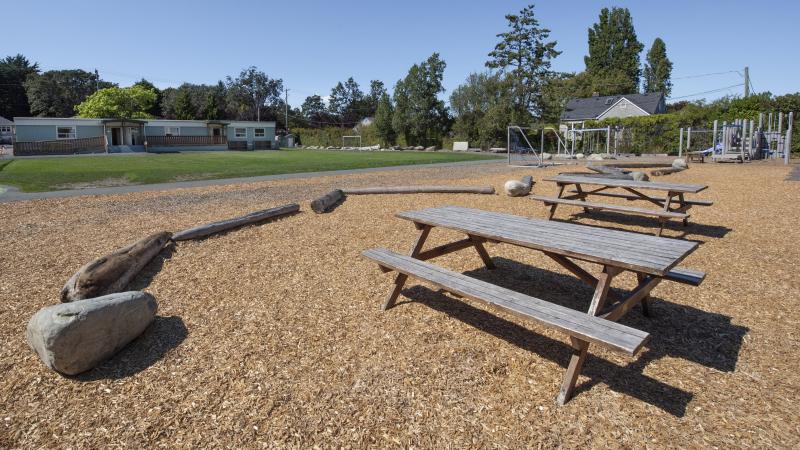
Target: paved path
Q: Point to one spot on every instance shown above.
(12, 194)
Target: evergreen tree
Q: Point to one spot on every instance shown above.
(383, 120)
(613, 46)
(155, 111)
(658, 69)
(525, 54)
(14, 72)
(56, 93)
(184, 109)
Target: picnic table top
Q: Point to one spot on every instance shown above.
(611, 182)
(632, 251)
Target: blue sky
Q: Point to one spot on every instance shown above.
(313, 44)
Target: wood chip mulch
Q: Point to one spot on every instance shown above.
(271, 335)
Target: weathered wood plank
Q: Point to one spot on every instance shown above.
(686, 276)
(651, 185)
(610, 207)
(574, 323)
(694, 202)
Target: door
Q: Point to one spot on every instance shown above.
(135, 136)
(116, 136)
(216, 132)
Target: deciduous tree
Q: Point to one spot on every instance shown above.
(130, 103)
(383, 120)
(252, 92)
(56, 93)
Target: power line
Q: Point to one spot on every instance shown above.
(708, 92)
(705, 75)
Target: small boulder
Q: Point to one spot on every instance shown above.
(594, 157)
(680, 163)
(71, 338)
(579, 156)
(419, 147)
(546, 156)
(521, 188)
(639, 176)
(432, 148)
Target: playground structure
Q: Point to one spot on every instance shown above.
(562, 143)
(351, 141)
(741, 140)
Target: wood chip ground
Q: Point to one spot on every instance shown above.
(271, 336)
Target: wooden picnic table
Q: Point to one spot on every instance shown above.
(651, 258)
(673, 205)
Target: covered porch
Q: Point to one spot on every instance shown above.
(124, 134)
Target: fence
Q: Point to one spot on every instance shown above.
(61, 147)
(166, 141)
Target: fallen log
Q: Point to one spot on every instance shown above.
(421, 190)
(111, 273)
(208, 229)
(666, 171)
(608, 170)
(322, 204)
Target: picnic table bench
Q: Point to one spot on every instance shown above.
(674, 204)
(653, 259)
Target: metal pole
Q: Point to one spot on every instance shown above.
(689, 138)
(541, 143)
(787, 146)
(680, 144)
(714, 140)
(608, 140)
(743, 139)
(508, 144)
(287, 111)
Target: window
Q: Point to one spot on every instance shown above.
(172, 131)
(240, 132)
(260, 132)
(609, 101)
(65, 132)
(5, 129)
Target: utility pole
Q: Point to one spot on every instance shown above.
(746, 81)
(286, 105)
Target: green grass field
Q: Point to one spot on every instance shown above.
(48, 174)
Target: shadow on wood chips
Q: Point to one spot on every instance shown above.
(677, 331)
(673, 229)
(163, 335)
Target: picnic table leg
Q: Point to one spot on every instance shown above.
(553, 207)
(400, 279)
(477, 242)
(684, 207)
(601, 290)
(640, 277)
(579, 350)
(581, 195)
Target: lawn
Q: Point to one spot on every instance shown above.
(48, 174)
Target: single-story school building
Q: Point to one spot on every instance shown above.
(64, 136)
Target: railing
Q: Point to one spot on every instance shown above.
(158, 141)
(61, 146)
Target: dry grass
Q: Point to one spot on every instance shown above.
(271, 335)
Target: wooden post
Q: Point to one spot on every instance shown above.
(579, 351)
(401, 278)
(601, 290)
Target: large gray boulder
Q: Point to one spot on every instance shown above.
(521, 188)
(680, 163)
(71, 338)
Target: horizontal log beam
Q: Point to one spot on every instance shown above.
(421, 190)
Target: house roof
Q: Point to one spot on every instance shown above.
(4, 121)
(593, 107)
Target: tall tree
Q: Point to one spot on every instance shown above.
(214, 108)
(314, 111)
(14, 72)
(419, 115)
(345, 102)
(524, 53)
(155, 111)
(131, 103)
(483, 107)
(252, 92)
(383, 120)
(56, 93)
(658, 69)
(184, 109)
(613, 46)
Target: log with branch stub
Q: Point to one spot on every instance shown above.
(112, 273)
(421, 190)
(208, 229)
(327, 201)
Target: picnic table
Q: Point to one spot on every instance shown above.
(674, 204)
(651, 258)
